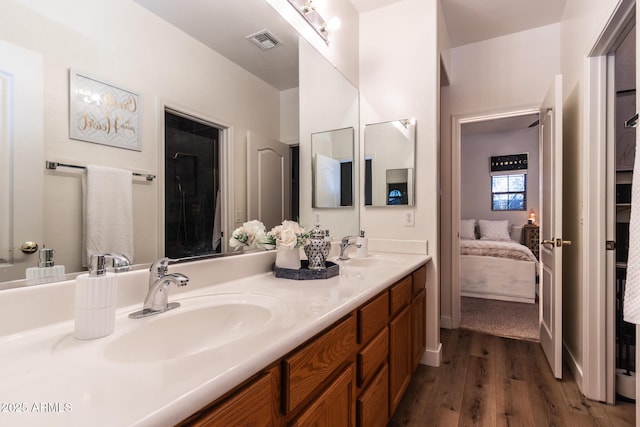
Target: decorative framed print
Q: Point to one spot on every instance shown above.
(103, 113)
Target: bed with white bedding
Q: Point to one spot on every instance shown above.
(497, 269)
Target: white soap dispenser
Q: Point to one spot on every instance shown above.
(95, 301)
(46, 271)
(363, 250)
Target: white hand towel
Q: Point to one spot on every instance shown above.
(107, 212)
(631, 307)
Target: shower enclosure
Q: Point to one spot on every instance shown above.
(192, 187)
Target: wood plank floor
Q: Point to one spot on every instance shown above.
(486, 380)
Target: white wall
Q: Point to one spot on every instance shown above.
(475, 181)
(399, 66)
(494, 76)
(583, 21)
(290, 116)
(126, 45)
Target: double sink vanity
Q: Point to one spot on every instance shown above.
(243, 348)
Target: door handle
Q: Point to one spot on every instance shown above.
(29, 247)
(557, 242)
(548, 242)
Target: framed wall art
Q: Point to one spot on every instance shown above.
(102, 113)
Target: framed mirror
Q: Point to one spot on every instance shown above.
(202, 68)
(389, 163)
(332, 168)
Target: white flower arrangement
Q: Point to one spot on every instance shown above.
(289, 235)
(253, 234)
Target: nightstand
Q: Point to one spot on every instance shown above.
(531, 238)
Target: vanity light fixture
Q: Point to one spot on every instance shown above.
(309, 10)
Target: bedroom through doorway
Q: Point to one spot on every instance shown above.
(499, 227)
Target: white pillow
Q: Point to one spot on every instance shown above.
(516, 233)
(494, 230)
(468, 229)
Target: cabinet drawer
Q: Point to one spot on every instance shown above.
(372, 406)
(400, 294)
(373, 317)
(313, 364)
(419, 279)
(252, 406)
(372, 356)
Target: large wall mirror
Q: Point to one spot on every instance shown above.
(329, 115)
(389, 156)
(193, 62)
(332, 168)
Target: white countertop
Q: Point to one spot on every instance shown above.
(49, 378)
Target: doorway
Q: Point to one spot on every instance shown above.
(622, 162)
(192, 188)
(499, 187)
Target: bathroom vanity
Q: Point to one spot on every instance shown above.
(244, 348)
(357, 370)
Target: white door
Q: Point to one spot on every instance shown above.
(268, 180)
(551, 227)
(326, 182)
(21, 158)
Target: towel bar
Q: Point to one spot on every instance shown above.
(55, 165)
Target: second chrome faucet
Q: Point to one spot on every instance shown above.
(156, 300)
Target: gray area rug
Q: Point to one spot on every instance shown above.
(501, 318)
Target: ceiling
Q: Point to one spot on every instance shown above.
(223, 26)
(470, 21)
(499, 125)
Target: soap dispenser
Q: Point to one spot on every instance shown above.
(363, 249)
(46, 271)
(95, 301)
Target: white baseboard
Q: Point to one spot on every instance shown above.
(432, 357)
(572, 364)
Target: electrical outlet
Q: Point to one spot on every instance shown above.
(317, 218)
(408, 219)
(238, 216)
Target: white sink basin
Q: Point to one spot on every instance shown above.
(200, 324)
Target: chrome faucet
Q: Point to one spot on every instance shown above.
(345, 244)
(156, 300)
(119, 262)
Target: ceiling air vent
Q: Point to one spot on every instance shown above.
(264, 40)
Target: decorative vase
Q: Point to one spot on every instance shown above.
(288, 258)
(317, 249)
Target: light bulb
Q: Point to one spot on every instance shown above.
(334, 23)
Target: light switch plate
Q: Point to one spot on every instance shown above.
(408, 218)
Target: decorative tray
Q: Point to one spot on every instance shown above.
(303, 273)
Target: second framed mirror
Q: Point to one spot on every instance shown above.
(389, 159)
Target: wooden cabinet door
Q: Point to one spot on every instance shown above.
(334, 407)
(316, 362)
(253, 406)
(418, 328)
(372, 406)
(400, 357)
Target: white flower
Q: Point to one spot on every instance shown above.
(288, 238)
(252, 233)
(289, 234)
